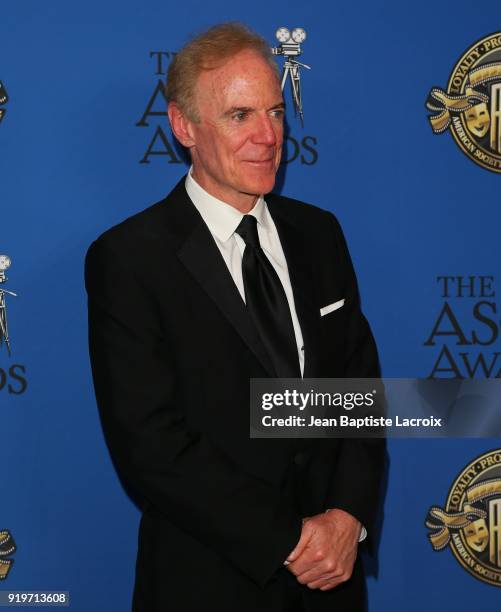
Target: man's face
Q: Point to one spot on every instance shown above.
(238, 141)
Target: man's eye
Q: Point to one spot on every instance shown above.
(278, 113)
(240, 116)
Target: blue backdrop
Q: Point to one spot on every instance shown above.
(78, 154)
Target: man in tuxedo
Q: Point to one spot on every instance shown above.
(191, 298)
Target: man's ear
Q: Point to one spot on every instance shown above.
(180, 125)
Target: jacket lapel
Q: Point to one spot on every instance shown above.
(200, 255)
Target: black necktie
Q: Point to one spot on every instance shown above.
(267, 303)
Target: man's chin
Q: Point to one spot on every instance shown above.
(260, 185)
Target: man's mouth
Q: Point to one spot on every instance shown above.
(260, 162)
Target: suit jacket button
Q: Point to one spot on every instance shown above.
(299, 458)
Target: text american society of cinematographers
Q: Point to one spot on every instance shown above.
(347, 401)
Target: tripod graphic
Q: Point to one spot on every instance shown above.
(291, 49)
(4, 330)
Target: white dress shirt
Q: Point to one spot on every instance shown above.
(222, 220)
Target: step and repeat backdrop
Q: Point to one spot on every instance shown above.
(401, 139)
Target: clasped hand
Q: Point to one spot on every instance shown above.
(326, 551)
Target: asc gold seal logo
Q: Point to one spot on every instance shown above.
(471, 105)
(470, 523)
(7, 548)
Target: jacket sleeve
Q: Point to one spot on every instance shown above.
(179, 473)
(356, 485)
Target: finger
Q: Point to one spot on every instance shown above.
(305, 562)
(331, 585)
(318, 573)
(315, 562)
(315, 581)
(305, 537)
(335, 581)
(325, 581)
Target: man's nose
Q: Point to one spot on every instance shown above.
(265, 132)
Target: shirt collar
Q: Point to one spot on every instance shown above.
(222, 219)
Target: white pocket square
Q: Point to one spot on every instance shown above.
(334, 306)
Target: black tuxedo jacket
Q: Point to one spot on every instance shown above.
(172, 351)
